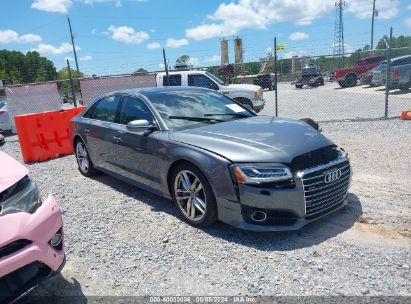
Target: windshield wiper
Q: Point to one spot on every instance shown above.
(192, 118)
(227, 114)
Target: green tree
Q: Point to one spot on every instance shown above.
(20, 68)
(140, 70)
(183, 59)
(64, 83)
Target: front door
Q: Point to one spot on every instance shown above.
(137, 157)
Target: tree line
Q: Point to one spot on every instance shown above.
(31, 67)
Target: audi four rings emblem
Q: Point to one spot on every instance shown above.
(332, 176)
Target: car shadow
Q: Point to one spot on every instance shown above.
(56, 290)
(312, 234)
(399, 92)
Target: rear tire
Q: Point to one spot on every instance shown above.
(193, 196)
(404, 87)
(85, 165)
(342, 84)
(351, 80)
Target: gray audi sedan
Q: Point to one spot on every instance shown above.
(213, 157)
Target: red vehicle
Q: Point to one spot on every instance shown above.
(347, 77)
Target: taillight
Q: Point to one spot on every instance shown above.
(395, 73)
(1, 112)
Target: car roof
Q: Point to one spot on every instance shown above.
(401, 57)
(183, 72)
(158, 90)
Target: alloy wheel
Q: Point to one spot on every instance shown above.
(82, 157)
(190, 195)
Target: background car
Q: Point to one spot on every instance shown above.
(366, 78)
(5, 125)
(31, 232)
(213, 157)
(400, 73)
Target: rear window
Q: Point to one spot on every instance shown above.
(175, 80)
(374, 60)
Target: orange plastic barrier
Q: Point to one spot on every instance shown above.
(406, 115)
(45, 135)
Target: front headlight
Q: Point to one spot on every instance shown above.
(23, 197)
(258, 174)
(258, 95)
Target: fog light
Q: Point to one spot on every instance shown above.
(56, 240)
(259, 216)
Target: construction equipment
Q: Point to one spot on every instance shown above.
(311, 76)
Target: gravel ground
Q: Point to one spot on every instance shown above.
(124, 241)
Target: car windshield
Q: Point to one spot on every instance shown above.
(191, 109)
(215, 78)
(380, 67)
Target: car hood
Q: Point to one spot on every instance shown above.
(11, 171)
(255, 139)
(246, 87)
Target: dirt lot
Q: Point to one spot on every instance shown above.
(330, 102)
(124, 241)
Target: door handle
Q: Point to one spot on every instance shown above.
(86, 130)
(116, 138)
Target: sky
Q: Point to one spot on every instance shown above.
(120, 36)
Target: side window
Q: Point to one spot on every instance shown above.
(105, 109)
(374, 60)
(200, 81)
(175, 80)
(402, 61)
(134, 109)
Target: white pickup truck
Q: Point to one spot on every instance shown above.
(245, 94)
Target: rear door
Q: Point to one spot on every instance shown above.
(137, 150)
(173, 80)
(201, 80)
(98, 131)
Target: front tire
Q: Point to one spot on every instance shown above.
(85, 165)
(193, 196)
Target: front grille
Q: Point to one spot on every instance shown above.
(16, 283)
(315, 158)
(322, 197)
(13, 247)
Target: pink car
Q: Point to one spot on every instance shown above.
(31, 232)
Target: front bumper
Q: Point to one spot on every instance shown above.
(258, 104)
(33, 259)
(231, 213)
(289, 205)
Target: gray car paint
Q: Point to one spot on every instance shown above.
(146, 159)
(255, 139)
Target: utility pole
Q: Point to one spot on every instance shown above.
(71, 84)
(372, 25)
(275, 76)
(339, 32)
(72, 42)
(388, 73)
(166, 67)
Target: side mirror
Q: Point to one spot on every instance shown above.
(213, 86)
(248, 107)
(140, 125)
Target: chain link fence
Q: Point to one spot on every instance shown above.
(318, 87)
